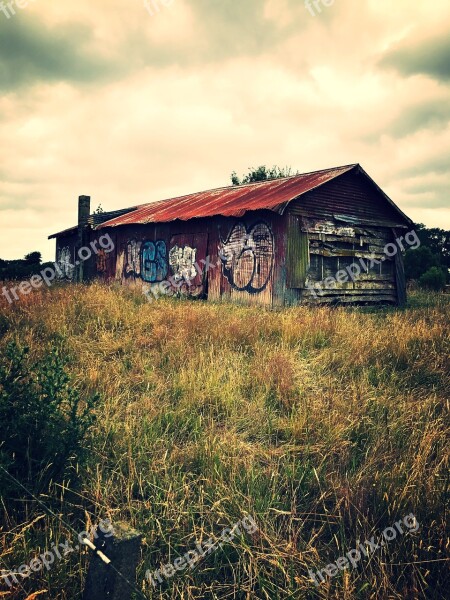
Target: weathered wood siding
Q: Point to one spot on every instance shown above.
(348, 222)
(334, 249)
(349, 195)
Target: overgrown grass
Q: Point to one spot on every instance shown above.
(326, 425)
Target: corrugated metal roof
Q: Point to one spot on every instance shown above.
(231, 201)
(94, 220)
(99, 218)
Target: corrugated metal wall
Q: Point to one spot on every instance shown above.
(242, 254)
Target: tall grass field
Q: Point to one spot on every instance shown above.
(326, 426)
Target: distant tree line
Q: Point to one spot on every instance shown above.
(20, 269)
(429, 264)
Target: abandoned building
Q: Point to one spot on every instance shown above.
(273, 242)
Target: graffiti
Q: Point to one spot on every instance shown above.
(133, 264)
(182, 262)
(187, 253)
(150, 261)
(66, 267)
(147, 260)
(154, 261)
(247, 257)
(101, 261)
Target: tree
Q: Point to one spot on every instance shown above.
(437, 240)
(433, 253)
(33, 258)
(418, 261)
(433, 279)
(22, 268)
(262, 173)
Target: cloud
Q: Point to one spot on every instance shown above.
(30, 52)
(432, 115)
(433, 195)
(432, 163)
(429, 57)
(101, 98)
(220, 30)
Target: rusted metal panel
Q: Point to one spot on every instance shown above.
(248, 256)
(240, 254)
(186, 253)
(101, 217)
(94, 220)
(66, 233)
(232, 201)
(214, 276)
(297, 255)
(342, 193)
(279, 290)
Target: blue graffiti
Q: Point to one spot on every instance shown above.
(154, 261)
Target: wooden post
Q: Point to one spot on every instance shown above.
(122, 548)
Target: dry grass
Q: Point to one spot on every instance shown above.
(327, 425)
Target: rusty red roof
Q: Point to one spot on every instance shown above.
(229, 201)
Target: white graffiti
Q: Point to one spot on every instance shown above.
(64, 261)
(248, 256)
(182, 262)
(133, 265)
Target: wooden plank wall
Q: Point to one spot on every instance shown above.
(348, 220)
(334, 247)
(351, 194)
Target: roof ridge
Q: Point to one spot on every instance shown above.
(230, 187)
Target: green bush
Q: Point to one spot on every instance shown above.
(44, 422)
(419, 261)
(433, 279)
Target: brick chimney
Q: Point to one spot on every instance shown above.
(84, 210)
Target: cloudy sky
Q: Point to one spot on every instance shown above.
(100, 97)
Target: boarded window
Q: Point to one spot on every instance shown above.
(315, 267)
